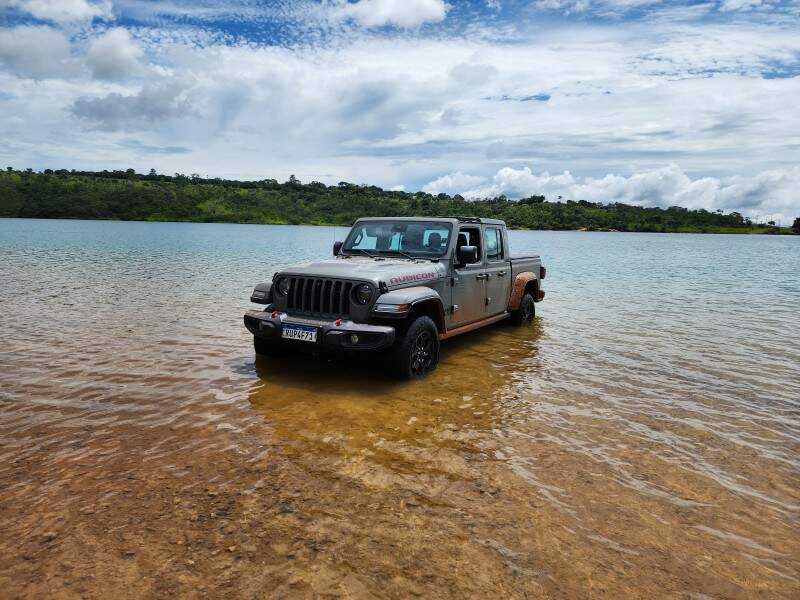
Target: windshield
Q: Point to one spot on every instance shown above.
(427, 239)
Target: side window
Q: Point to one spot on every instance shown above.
(470, 236)
(494, 243)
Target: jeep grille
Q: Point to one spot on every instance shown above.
(319, 296)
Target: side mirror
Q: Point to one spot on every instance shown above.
(337, 246)
(467, 255)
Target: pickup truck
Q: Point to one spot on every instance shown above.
(398, 286)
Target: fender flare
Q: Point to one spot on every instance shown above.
(521, 282)
(410, 295)
(414, 296)
(262, 294)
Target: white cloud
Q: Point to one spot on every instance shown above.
(42, 51)
(579, 6)
(401, 13)
(620, 7)
(770, 193)
(61, 11)
(114, 55)
(454, 183)
(37, 52)
(157, 101)
(740, 4)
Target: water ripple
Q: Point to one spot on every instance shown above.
(648, 422)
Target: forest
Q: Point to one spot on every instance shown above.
(128, 195)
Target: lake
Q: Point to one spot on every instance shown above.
(640, 439)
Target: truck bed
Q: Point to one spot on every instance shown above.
(523, 255)
(525, 262)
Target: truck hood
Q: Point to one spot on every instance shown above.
(394, 272)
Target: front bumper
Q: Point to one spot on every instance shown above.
(269, 325)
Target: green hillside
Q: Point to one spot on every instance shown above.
(126, 195)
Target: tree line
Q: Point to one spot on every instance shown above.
(128, 195)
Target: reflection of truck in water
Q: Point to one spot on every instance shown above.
(399, 286)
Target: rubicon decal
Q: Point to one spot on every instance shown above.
(414, 277)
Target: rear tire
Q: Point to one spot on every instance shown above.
(526, 311)
(416, 353)
(266, 347)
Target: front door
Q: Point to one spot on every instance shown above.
(469, 286)
(498, 272)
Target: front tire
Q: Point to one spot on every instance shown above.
(526, 311)
(417, 352)
(266, 347)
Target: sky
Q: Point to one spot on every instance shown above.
(649, 102)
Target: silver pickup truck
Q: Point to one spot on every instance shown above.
(398, 286)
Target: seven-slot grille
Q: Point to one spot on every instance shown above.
(319, 296)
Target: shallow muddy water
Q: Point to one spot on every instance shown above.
(641, 439)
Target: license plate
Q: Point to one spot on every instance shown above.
(304, 333)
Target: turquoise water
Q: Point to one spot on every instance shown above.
(665, 368)
(726, 306)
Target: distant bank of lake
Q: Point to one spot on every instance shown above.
(711, 230)
(640, 439)
(130, 196)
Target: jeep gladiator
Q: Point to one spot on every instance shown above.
(399, 286)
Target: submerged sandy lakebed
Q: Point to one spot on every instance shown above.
(640, 439)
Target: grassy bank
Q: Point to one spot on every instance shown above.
(126, 195)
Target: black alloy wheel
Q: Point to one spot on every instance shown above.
(422, 358)
(416, 352)
(526, 311)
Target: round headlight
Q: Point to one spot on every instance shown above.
(363, 293)
(283, 286)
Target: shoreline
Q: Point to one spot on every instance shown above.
(766, 230)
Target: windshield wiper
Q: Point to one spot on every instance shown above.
(360, 250)
(406, 254)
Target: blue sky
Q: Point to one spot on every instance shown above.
(640, 101)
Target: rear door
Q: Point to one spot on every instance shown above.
(469, 287)
(498, 271)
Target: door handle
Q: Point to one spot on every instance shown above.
(481, 276)
(501, 273)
